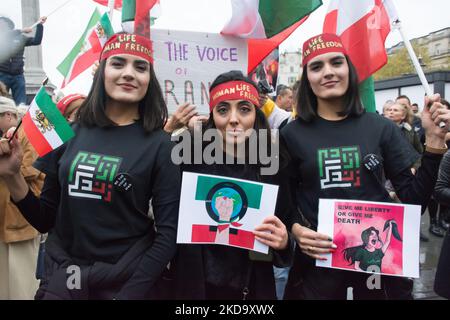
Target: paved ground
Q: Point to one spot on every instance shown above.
(429, 255)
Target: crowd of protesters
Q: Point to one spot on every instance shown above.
(125, 243)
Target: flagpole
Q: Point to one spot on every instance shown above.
(398, 25)
(52, 12)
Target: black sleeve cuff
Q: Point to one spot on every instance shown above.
(284, 258)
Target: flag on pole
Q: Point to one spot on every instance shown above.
(136, 16)
(363, 26)
(117, 3)
(44, 126)
(259, 49)
(263, 19)
(86, 51)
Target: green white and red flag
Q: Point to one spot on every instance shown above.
(263, 19)
(363, 27)
(87, 50)
(266, 24)
(44, 126)
(136, 15)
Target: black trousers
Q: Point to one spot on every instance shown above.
(306, 281)
(442, 280)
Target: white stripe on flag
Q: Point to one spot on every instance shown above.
(51, 136)
(351, 11)
(391, 10)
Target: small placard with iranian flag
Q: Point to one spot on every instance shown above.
(44, 125)
(223, 210)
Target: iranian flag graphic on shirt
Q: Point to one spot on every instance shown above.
(339, 167)
(92, 176)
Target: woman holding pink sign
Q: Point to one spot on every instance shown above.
(341, 152)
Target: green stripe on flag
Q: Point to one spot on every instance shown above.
(367, 93)
(253, 191)
(128, 10)
(278, 15)
(65, 66)
(51, 112)
(106, 25)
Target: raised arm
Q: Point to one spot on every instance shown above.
(387, 241)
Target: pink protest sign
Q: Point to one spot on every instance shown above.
(371, 237)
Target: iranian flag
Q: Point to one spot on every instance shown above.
(263, 19)
(266, 24)
(44, 126)
(87, 50)
(363, 26)
(136, 15)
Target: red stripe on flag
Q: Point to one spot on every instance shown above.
(330, 24)
(87, 59)
(35, 137)
(95, 43)
(365, 41)
(142, 17)
(259, 49)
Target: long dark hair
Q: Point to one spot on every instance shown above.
(152, 108)
(307, 101)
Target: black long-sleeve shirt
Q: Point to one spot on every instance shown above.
(329, 157)
(97, 221)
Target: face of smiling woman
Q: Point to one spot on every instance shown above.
(328, 75)
(234, 119)
(126, 78)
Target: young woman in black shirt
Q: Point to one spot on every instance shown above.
(332, 127)
(102, 243)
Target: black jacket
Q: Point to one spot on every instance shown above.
(11, 60)
(442, 195)
(442, 189)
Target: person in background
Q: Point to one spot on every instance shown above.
(442, 195)
(11, 55)
(19, 241)
(416, 122)
(386, 107)
(401, 116)
(284, 98)
(69, 106)
(415, 109)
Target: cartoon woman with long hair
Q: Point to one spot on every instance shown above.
(372, 251)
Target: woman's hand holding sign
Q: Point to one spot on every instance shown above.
(312, 243)
(272, 232)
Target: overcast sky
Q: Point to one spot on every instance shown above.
(65, 26)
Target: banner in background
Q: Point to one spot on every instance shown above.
(186, 63)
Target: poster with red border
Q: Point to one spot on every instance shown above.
(371, 237)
